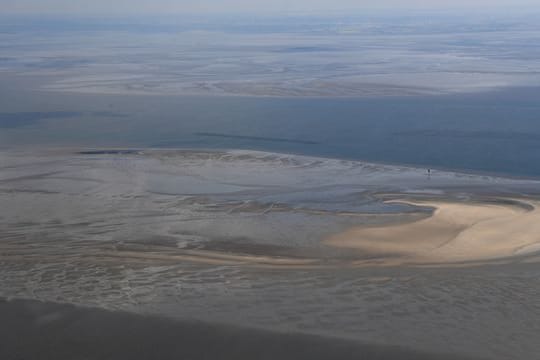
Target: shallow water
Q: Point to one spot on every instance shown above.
(496, 132)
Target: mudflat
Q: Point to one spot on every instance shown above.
(40, 330)
(223, 242)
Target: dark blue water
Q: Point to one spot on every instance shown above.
(495, 132)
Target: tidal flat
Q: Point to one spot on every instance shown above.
(244, 239)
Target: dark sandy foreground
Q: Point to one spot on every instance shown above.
(37, 330)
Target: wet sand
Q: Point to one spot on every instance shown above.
(462, 233)
(238, 238)
(40, 330)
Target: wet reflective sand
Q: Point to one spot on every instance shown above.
(243, 238)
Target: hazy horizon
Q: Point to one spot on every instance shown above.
(139, 7)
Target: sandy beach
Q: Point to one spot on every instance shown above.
(456, 232)
(459, 233)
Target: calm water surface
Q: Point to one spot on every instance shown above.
(495, 132)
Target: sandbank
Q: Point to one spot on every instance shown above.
(456, 232)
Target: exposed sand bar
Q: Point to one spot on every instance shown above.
(456, 232)
(253, 209)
